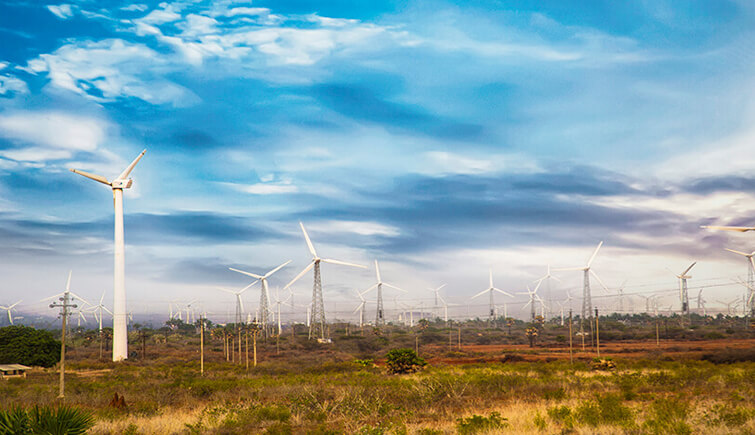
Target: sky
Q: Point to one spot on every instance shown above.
(442, 139)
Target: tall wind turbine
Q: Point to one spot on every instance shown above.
(683, 293)
(547, 278)
(360, 308)
(533, 297)
(750, 278)
(8, 309)
(239, 318)
(317, 323)
(491, 290)
(586, 295)
(379, 315)
(264, 318)
(120, 333)
(701, 303)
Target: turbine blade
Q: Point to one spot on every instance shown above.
(343, 263)
(105, 308)
(68, 282)
(480, 293)
(267, 275)
(246, 273)
(130, 167)
(564, 269)
(15, 304)
(491, 277)
(241, 303)
(589, 262)
(726, 228)
(599, 280)
(503, 292)
(377, 271)
(738, 252)
(437, 289)
(95, 177)
(309, 242)
(394, 287)
(369, 289)
(226, 290)
(306, 269)
(690, 267)
(247, 287)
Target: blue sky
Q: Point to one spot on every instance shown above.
(441, 139)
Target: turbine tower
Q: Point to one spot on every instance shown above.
(701, 303)
(360, 308)
(683, 293)
(490, 290)
(264, 318)
(586, 296)
(750, 278)
(379, 314)
(8, 309)
(239, 318)
(436, 291)
(120, 333)
(317, 322)
(533, 297)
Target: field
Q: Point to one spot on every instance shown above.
(494, 383)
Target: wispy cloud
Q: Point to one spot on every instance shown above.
(63, 11)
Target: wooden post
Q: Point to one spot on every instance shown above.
(254, 338)
(247, 348)
(571, 354)
(459, 338)
(201, 346)
(657, 334)
(597, 332)
(62, 395)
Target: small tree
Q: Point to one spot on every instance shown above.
(28, 346)
(404, 361)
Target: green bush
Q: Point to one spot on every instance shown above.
(404, 361)
(63, 420)
(477, 423)
(28, 346)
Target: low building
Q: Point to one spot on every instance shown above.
(13, 371)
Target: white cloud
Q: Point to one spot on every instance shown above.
(10, 84)
(362, 228)
(246, 11)
(63, 11)
(53, 135)
(277, 188)
(106, 70)
(444, 162)
(135, 7)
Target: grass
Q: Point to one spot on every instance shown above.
(343, 388)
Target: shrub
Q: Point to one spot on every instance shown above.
(28, 346)
(404, 361)
(46, 420)
(477, 423)
(668, 416)
(605, 410)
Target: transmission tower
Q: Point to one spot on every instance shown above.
(317, 324)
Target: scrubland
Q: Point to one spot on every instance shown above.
(344, 388)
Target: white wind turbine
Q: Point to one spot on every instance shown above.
(278, 303)
(683, 292)
(490, 290)
(750, 278)
(561, 305)
(264, 294)
(317, 323)
(360, 308)
(8, 309)
(533, 297)
(120, 333)
(547, 278)
(586, 295)
(239, 303)
(701, 303)
(438, 297)
(379, 314)
(67, 296)
(97, 311)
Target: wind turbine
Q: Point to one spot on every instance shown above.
(120, 333)
(490, 290)
(547, 278)
(620, 291)
(239, 303)
(379, 316)
(360, 308)
(264, 294)
(586, 296)
(280, 302)
(443, 301)
(701, 303)
(683, 293)
(67, 296)
(317, 324)
(533, 297)
(437, 296)
(560, 304)
(9, 308)
(750, 278)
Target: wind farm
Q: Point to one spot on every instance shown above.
(307, 196)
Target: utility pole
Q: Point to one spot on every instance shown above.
(255, 327)
(571, 357)
(65, 304)
(201, 345)
(597, 332)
